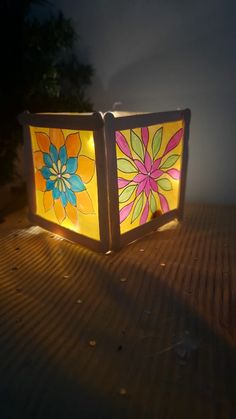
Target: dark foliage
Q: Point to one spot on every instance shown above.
(39, 72)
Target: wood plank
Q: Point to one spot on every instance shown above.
(167, 334)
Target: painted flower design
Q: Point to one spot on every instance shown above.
(147, 174)
(62, 174)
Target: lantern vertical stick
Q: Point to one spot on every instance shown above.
(101, 167)
(114, 217)
(29, 169)
(186, 117)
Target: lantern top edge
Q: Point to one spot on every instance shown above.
(120, 114)
(86, 121)
(120, 120)
(96, 120)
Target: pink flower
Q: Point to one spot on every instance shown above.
(150, 174)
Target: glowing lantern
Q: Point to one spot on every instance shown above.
(105, 180)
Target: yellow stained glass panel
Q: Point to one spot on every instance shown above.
(66, 179)
(149, 162)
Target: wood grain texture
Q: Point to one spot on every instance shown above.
(166, 334)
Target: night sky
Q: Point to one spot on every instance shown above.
(157, 55)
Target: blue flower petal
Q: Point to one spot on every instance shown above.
(76, 183)
(63, 199)
(53, 153)
(47, 159)
(46, 172)
(71, 197)
(71, 165)
(56, 193)
(49, 185)
(63, 155)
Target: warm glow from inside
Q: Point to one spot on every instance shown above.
(91, 145)
(149, 162)
(66, 179)
(172, 225)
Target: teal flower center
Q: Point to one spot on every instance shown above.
(60, 174)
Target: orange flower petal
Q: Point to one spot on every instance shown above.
(84, 202)
(47, 200)
(59, 210)
(72, 213)
(38, 159)
(43, 141)
(40, 182)
(56, 137)
(86, 168)
(73, 144)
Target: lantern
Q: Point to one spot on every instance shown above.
(105, 180)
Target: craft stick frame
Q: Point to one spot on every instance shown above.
(105, 128)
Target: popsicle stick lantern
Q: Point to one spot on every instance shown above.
(104, 180)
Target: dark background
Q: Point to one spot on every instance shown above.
(161, 55)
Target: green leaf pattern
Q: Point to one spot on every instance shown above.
(165, 184)
(126, 193)
(137, 208)
(153, 203)
(137, 145)
(170, 161)
(126, 166)
(156, 142)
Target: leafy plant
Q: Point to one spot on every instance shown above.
(39, 72)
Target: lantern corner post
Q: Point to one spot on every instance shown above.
(112, 182)
(186, 114)
(28, 165)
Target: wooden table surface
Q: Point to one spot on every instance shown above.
(147, 332)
